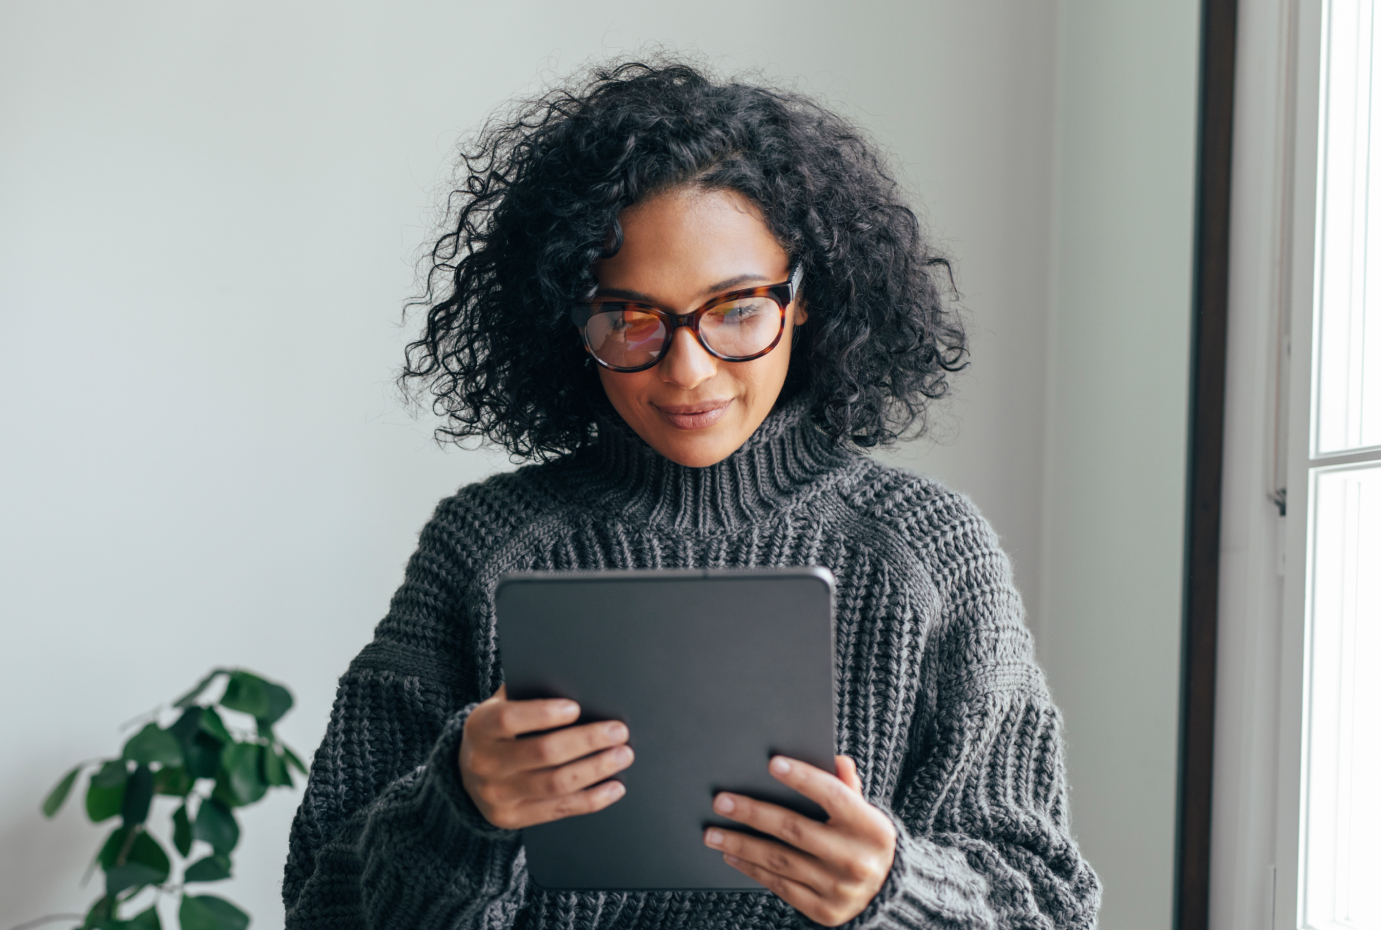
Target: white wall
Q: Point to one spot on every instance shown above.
(1116, 433)
(208, 215)
(1106, 597)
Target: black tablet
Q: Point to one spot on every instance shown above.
(713, 671)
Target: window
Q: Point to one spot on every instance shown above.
(1342, 809)
(1297, 745)
(1340, 792)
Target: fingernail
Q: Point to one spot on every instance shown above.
(780, 766)
(569, 708)
(724, 804)
(623, 755)
(714, 838)
(732, 860)
(617, 732)
(616, 790)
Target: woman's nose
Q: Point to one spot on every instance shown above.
(687, 364)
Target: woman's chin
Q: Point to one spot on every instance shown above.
(695, 451)
(683, 441)
(693, 437)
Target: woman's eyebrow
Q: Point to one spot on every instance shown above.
(731, 283)
(725, 285)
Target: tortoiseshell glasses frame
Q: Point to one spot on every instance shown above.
(628, 336)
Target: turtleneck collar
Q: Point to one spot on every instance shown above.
(781, 461)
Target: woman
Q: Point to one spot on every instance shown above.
(693, 303)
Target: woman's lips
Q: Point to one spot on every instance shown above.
(693, 416)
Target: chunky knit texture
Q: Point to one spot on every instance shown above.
(939, 698)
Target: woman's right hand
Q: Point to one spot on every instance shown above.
(518, 780)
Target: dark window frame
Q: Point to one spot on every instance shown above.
(1203, 517)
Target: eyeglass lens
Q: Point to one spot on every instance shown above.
(626, 337)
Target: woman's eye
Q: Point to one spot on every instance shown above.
(738, 312)
(614, 318)
(631, 322)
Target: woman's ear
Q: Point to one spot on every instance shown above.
(800, 313)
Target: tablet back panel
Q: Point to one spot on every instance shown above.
(713, 671)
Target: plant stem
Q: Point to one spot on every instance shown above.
(129, 843)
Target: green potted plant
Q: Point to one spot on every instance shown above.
(205, 764)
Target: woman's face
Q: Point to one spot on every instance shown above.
(681, 249)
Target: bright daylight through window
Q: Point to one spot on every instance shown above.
(1341, 858)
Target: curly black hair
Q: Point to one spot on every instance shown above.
(539, 204)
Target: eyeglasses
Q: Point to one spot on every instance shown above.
(739, 326)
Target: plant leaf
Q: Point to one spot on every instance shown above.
(100, 912)
(172, 780)
(215, 824)
(275, 769)
(203, 755)
(58, 795)
(186, 725)
(153, 744)
(145, 920)
(187, 731)
(208, 912)
(201, 686)
(293, 760)
(280, 702)
(146, 864)
(112, 846)
(211, 869)
(246, 693)
(134, 806)
(213, 726)
(239, 775)
(182, 831)
(148, 851)
(112, 774)
(104, 802)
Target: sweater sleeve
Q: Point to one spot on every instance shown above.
(386, 836)
(983, 832)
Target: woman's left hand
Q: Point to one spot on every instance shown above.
(828, 871)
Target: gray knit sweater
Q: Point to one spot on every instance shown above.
(939, 699)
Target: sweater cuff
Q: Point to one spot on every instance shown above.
(929, 884)
(427, 856)
(445, 793)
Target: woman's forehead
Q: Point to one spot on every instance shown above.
(689, 244)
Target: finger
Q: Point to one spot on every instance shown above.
(792, 892)
(488, 707)
(846, 808)
(847, 772)
(783, 860)
(791, 828)
(491, 703)
(510, 719)
(567, 745)
(571, 805)
(570, 778)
